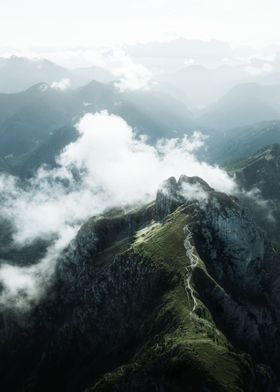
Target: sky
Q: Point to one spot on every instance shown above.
(72, 23)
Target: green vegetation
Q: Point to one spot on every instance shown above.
(183, 348)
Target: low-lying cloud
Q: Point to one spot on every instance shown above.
(62, 84)
(107, 166)
(131, 76)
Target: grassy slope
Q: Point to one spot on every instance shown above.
(195, 349)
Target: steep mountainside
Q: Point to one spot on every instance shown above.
(260, 174)
(235, 144)
(45, 153)
(262, 170)
(178, 295)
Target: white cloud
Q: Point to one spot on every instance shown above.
(189, 61)
(131, 76)
(62, 84)
(194, 192)
(257, 71)
(264, 206)
(115, 168)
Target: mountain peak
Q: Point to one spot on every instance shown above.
(173, 193)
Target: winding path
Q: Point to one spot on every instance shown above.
(194, 260)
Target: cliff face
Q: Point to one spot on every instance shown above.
(246, 268)
(241, 283)
(154, 299)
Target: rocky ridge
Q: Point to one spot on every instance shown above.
(130, 310)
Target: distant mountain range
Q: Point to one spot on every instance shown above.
(243, 105)
(200, 86)
(29, 120)
(173, 55)
(36, 120)
(245, 118)
(19, 73)
(221, 97)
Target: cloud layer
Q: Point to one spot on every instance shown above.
(107, 166)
